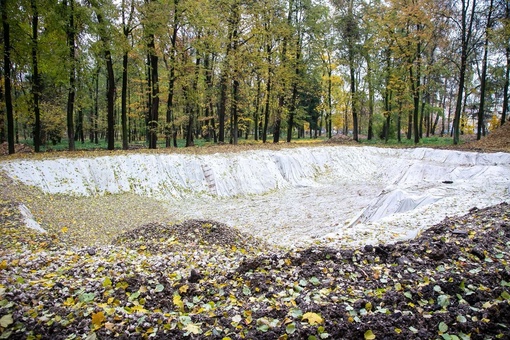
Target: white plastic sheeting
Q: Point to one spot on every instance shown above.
(335, 194)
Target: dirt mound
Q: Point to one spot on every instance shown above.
(497, 140)
(160, 237)
(451, 282)
(341, 139)
(18, 148)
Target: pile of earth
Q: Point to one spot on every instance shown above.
(497, 140)
(203, 279)
(18, 148)
(161, 237)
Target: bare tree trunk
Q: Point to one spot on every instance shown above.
(36, 80)
(154, 109)
(71, 33)
(7, 79)
(483, 81)
(110, 98)
(466, 31)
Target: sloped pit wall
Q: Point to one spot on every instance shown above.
(167, 176)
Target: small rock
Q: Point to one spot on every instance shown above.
(478, 253)
(369, 248)
(459, 232)
(91, 251)
(402, 260)
(194, 276)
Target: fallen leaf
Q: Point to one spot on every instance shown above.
(6, 320)
(313, 318)
(97, 319)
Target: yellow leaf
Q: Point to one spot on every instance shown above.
(183, 289)
(64, 229)
(97, 319)
(178, 302)
(69, 301)
(313, 318)
(3, 265)
(193, 328)
(369, 335)
(139, 309)
(107, 282)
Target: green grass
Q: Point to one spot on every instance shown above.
(426, 141)
(102, 145)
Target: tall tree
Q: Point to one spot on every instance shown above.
(36, 79)
(7, 76)
(127, 27)
(466, 20)
(104, 36)
(483, 80)
(71, 42)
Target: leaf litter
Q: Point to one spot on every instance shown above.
(202, 279)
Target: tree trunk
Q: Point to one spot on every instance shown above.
(71, 33)
(267, 107)
(483, 81)
(415, 88)
(96, 107)
(507, 83)
(466, 31)
(257, 109)
(2, 111)
(36, 80)
(154, 109)
(292, 108)
(370, 99)
(170, 130)
(353, 99)
(235, 81)
(110, 98)
(110, 80)
(123, 110)
(126, 30)
(7, 79)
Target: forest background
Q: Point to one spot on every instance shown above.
(152, 71)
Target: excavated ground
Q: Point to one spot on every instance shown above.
(203, 279)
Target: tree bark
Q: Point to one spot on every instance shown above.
(110, 97)
(36, 80)
(466, 31)
(7, 79)
(483, 80)
(170, 131)
(71, 41)
(154, 108)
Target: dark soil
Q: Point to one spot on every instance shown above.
(202, 279)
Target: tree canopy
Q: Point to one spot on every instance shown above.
(153, 70)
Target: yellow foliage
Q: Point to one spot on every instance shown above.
(493, 123)
(97, 319)
(313, 318)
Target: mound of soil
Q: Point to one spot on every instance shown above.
(18, 148)
(497, 140)
(160, 237)
(453, 281)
